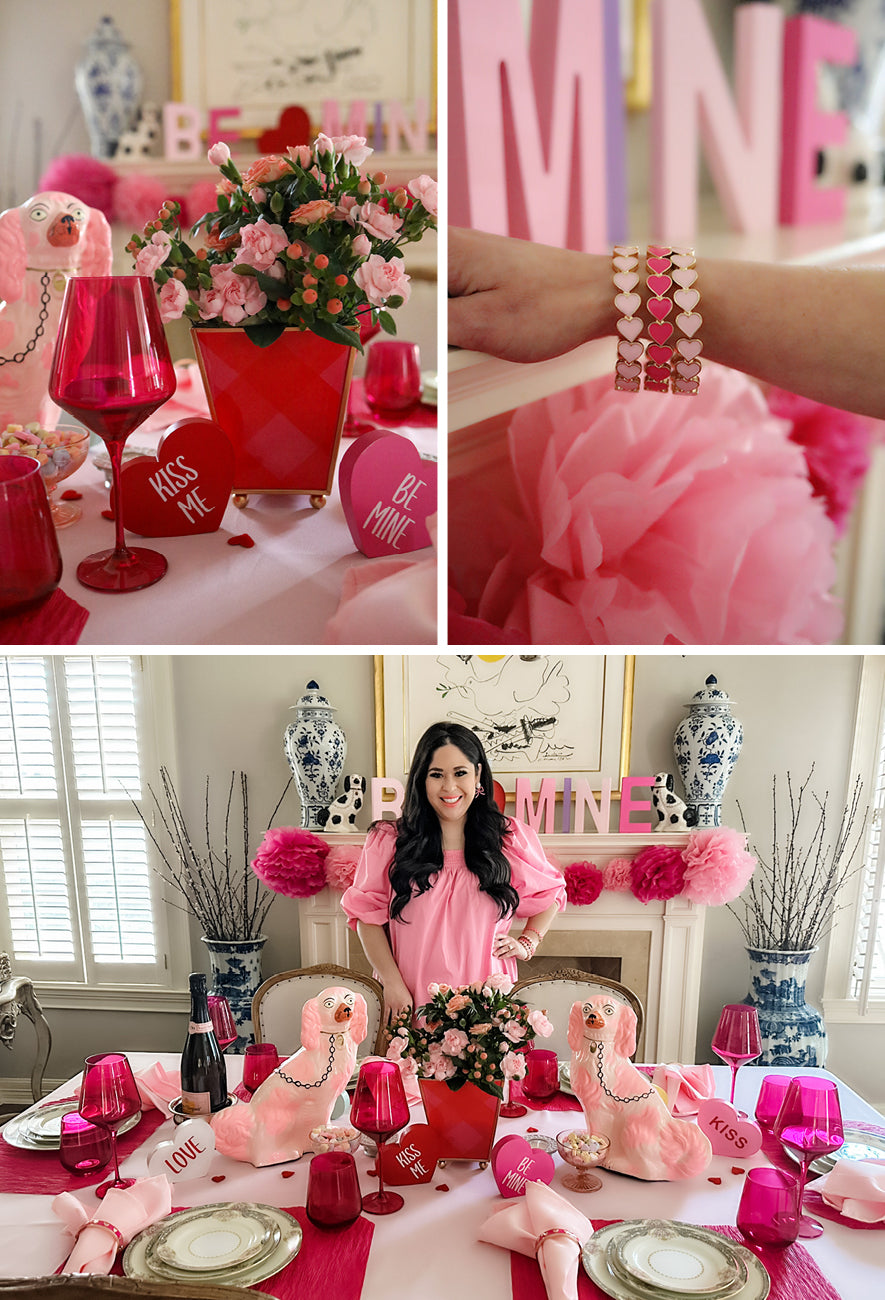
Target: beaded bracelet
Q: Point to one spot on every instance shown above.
(527, 946)
(530, 929)
(625, 275)
(686, 377)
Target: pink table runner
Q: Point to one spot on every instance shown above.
(794, 1274)
(41, 1172)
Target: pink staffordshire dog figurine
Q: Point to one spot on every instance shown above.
(646, 1140)
(300, 1095)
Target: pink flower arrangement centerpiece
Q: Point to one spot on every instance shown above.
(303, 239)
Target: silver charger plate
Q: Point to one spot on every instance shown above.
(860, 1144)
(18, 1131)
(136, 1263)
(593, 1259)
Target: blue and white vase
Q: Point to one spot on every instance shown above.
(236, 975)
(706, 745)
(316, 748)
(108, 82)
(793, 1031)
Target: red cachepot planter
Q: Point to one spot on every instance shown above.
(465, 1121)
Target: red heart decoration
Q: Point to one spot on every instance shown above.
(657, 374)
(660, 330)
(185, 488)
(413, 1158)
(729, 1134)
(659, 307)
(515, 1163)
(657, 352)
(292, 128)
(387, 492)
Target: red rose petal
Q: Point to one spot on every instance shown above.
(736, 1169)
(288, 1173)
(107, 514)
(717, 1181)
(71, 494)
(241, 539)
(442, 1187)
(373, 1171)
(218, 1178)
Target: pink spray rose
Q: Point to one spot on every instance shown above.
(380, 280)
(444, 1068)
(173, 300)
(219, 154)
(540, 1023)
(456, 1004)
(454, 1041)
(513, 1065)
(378, 222)
(232, 297)
(424, 189)
(153, 254)
(362, 245)
(315, 210)
(500, 982)
(352, 148)
(301, 154)
(260, 243)
(514, 1031)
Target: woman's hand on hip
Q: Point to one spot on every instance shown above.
(506, 946)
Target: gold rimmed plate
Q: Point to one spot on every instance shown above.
(140, 1260)
(215, 1239)
(678, 1259)
(39, 1128)
(595, 1263)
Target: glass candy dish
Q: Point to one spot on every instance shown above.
(582, 1150)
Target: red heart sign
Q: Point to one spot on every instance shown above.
(292, 128)
(729, 1134)
(387, 492)
(515, 1163)
(413, 1158)
(185, 488)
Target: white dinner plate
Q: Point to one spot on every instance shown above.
(265, 1264)
(39, 1128)
(593, 1259)
(861, 1143)
(212, 1239)
(680, 1259)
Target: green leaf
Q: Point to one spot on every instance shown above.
(336, 333)
(273, 288)
(277, 203)
(263, 335)
(387, 323)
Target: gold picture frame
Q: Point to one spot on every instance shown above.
(636, 53)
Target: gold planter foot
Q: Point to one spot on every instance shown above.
(317, 500)
(241, 500)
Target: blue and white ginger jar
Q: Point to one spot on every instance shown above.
(793, 1031)
(706, 745)
(108, 81)
(316, 748)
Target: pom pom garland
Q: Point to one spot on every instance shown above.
(583, 883)
(717, 865)
(616, 875)
(657, 873)
(340, 866)
(291, 861)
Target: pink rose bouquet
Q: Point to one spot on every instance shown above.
(303, 239)
(473, 1034)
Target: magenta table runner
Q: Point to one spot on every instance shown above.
(41, 1172)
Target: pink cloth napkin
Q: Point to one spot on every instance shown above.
(157, 1086)
(517, 1224)
(58, 621)
(686, 1086)
(123, 1213)
(856, 1188)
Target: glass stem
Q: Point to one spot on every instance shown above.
(380, 1175)
(115, 452)
(734, 1075)
(113, 1133)
(803, 1175)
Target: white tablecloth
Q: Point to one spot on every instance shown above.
(281, 591)
(418, 1251)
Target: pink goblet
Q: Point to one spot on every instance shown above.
(769, 1208)
(84, 1148)
(260, 1062)
(393, 377)
(810, 1124)
(542, 1074)
(737, 1038)
(772, 1091)
(333, 1190)
(379, 1109)
(108, 1095)
(111, 369)
(222, 1020)
(30, 561)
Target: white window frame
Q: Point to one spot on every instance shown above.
(168, 992)
(839, 1006)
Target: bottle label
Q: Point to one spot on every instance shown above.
(196, 1103)
(203, 1027)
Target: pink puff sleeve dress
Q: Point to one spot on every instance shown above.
(445, 935)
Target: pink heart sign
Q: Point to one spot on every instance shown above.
(186, 488)
(515, 1163)
(387, 492)
(412, 1159)
(729, 1134)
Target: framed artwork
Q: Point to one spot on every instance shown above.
(262, 56)
(536, 715)
(636, 56)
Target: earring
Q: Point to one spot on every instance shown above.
(479, 790)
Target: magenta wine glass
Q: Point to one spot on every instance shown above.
(83, 1148)
(737, 1038)
(379, 1109)
(393, 377)
(259, 1064)
(222, 1020)
(108, 1096)
(111, 369)
(541, 1074)
(30, 561)
(810, 1124)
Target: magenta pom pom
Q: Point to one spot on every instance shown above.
(87, 179)
(717, 865)
(292, 862)
(201, 197)
(583, 883)
(340, 866)
(657, 873)
(616, 875)
(138, 200)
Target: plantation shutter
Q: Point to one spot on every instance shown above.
(868, 965)
(81, 900)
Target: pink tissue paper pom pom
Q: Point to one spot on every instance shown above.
(616, 875)
(657, 873)
(340, 865)
(622, 519)
(291, 861)
(89, 180)
(138, 199)
(583, 883)
(717, 865)
(201, 197)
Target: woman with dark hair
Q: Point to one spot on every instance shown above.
(436, 892)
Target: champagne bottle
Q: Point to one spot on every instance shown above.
(203, 1076)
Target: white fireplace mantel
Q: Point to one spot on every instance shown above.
(670, 936)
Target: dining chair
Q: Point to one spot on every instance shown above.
(277, 1004)
(79, 1287)
(17, 997)
(555, 991)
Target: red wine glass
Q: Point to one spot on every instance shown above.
(108, 1096)
(333, 1190)
(737, 1038)
(260, 1061)
(222, 1020)
(30, 561)
(810, 1123)
(111, 369)
(379, 1109)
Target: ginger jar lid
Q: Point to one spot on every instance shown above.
(711, 693)
(313, 698)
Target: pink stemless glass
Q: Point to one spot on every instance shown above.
(810, 1123)
(108, 1095)
(393, 377)
(379, 1109)
(222, 1020)
(259, 1064)
(111, 369)
(737, 1038)
(84, 1148)
(542, 1074)
(771, 1098)
(30, 561)
(333, 1190)
(769, 1207)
